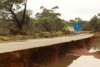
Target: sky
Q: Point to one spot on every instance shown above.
(69, 9)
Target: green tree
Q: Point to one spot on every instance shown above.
(49, 20)
(26, 24)
(71, 22)
(84, 24)
(94, 23)
(9, 8)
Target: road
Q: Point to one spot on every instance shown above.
(33, 43)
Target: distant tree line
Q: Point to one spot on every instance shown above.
(94, 23)
(15, 20)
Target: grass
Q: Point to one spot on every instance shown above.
(4, 38)
(32, 36)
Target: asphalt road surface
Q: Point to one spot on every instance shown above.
(33, 43)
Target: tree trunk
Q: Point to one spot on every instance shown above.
(19, 24)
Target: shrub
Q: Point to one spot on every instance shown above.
(45, 34)
(4, 38)
(59, 33)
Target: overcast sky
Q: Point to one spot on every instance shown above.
(69, 9)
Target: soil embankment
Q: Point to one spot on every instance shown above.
(46, 56)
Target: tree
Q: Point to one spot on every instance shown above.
(94, 24)
(19, 17)
(49, 20)
(71, 23)
(9, 8)
(84, 24)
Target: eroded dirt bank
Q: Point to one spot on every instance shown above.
(51, 56)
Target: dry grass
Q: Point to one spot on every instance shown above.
(32, 36)
(4, 38)
(14, 38)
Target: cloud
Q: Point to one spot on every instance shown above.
(69, 9)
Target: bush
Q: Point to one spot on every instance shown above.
(55, 34)
(45, 34)
(35, 35)
(4, 38)
(18, 37)
(17, 32)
